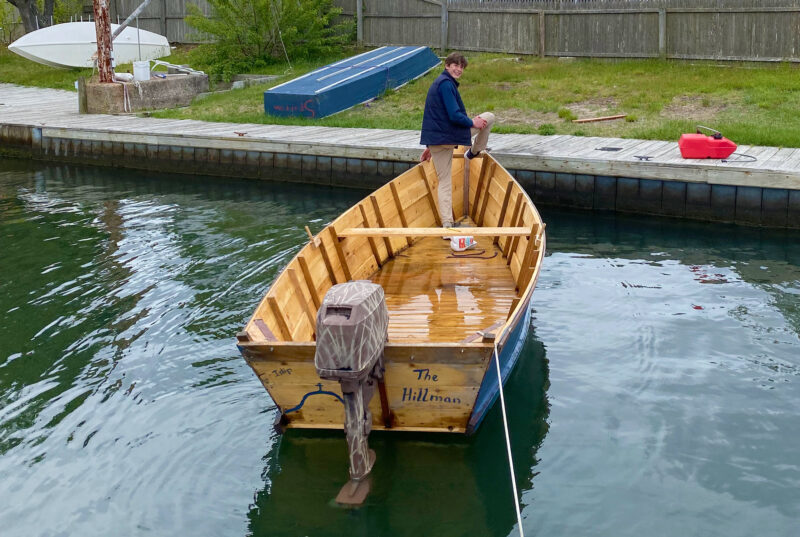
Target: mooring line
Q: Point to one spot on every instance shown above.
(508, 439)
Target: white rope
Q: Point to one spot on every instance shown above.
(508, 439)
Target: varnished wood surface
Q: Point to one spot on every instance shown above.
(447, 310)
(435, 295)
(436, 232)
(56, 113)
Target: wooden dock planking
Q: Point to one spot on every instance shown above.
(55, 112)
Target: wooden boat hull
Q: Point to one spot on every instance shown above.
(446, 313)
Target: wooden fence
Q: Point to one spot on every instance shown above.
(697, 29)
(757, 30)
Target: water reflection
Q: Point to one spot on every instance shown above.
(657, 395)
(674, 359)
(422, 484)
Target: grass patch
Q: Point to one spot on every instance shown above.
(749, 103)
(15, 69)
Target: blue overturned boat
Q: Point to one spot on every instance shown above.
(349, 82)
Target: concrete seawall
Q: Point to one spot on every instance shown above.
(633, 176)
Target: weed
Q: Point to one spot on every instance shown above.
(546, 129)
(566, 114)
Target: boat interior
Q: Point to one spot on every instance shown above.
(393, 237)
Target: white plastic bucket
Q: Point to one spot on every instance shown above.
(141, 70)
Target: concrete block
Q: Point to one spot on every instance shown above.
(175, 153)
(353, 166)
(310, 172)
(48, 146)
(151, 94)
(163, 153)
(386, 169)
(338, 167)
(324, 169)
(73, 148)
(188, 157)
(400, 167)
(152, 155)
(139, 152)
(96, 151)
(213, 158)
(117, 149)
(723, 203)
(226, 161)
(650, 192)
(673, 198)
(793, 213)
(527, 180)
(128, 151)
(545, 189)
(627, 194)
(774, 207)
(748, 205)
(266, 162)
(201, 159)
(605, 193)
(584, 191)
(281, 162)
(565, 189)
(698, 201)
(369, 168)
(107, 149)
(294, 168)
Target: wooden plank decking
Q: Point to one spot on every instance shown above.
(56, 113)
(434, 296)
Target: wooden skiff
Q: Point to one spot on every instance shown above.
(447, 310)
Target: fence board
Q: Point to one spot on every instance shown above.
(601, 34)
(494, 31)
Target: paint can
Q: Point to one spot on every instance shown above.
(141, 70)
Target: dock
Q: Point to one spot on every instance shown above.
(611, 174)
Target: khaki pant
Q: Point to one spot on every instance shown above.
(442, 156)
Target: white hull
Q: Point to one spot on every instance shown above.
(73, 44)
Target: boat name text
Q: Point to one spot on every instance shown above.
(423, 395)
(425, 374)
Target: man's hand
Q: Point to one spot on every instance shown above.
(426, 155)
(479, 123)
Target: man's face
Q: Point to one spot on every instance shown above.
(454, 69)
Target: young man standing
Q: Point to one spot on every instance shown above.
(445, 124)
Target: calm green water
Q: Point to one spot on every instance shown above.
(659, 392)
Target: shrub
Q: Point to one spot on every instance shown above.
(546, 129)
(566, 114)
(630, 118)
(248, 34)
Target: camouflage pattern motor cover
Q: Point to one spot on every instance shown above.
(352, 327)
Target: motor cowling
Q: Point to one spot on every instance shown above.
(352, 329)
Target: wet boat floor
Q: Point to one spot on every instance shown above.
(437, 295)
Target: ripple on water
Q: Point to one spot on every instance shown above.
(657, 394)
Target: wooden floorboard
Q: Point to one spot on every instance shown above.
(433, 296)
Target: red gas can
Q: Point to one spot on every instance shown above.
(702, 146)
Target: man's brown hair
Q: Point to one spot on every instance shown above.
(456, 57)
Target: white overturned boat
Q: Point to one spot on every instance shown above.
(73, 44)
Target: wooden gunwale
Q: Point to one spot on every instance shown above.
(461, 363)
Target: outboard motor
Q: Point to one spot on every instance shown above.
(352, 328)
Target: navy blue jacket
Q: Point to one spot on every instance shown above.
(445, 119)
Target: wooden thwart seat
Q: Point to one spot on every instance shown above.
(435, 232)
